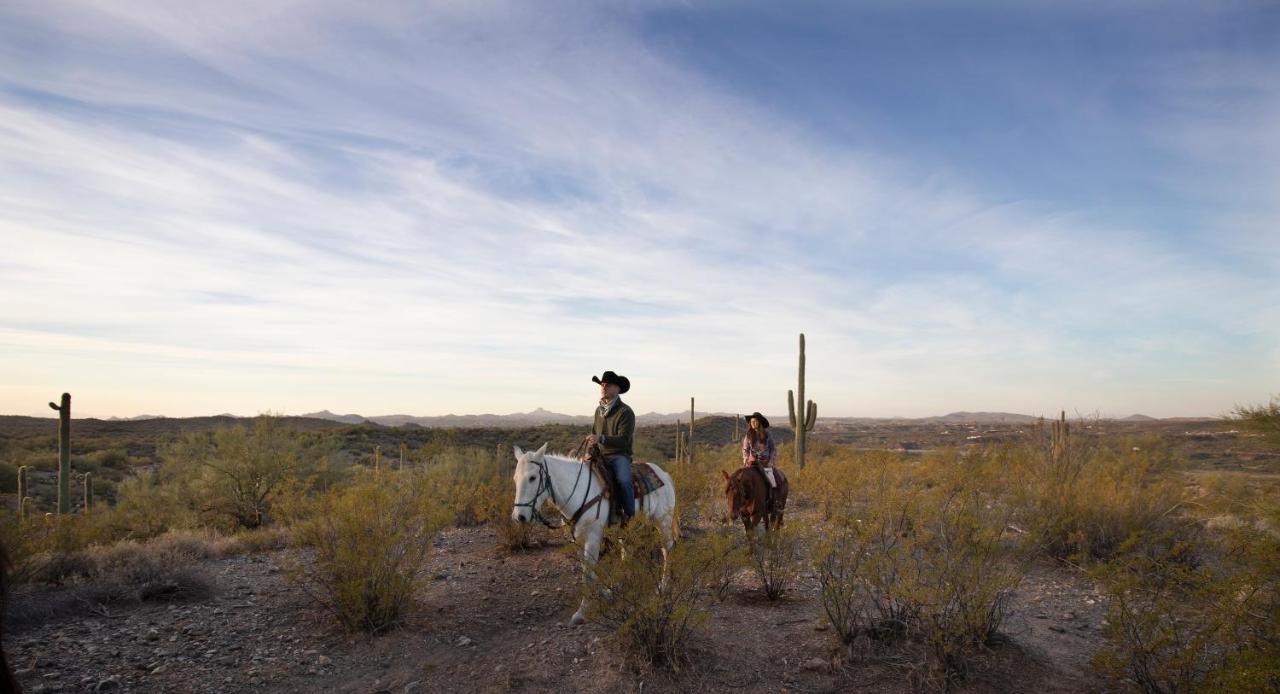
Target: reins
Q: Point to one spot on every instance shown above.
(546, 486)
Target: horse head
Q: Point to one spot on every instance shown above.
(737, 496)
(531, 483)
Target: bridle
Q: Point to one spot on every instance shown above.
(545, 487)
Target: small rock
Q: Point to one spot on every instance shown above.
(815, 664)
(462, 642)
(1055, 627)
(324, 661)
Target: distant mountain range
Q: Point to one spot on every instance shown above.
(519, 419)
(541, 416)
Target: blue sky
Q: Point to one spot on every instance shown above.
(472, 207)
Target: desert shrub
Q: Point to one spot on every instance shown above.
(230, 476)
(50, 548)
(698, 486)
(368, 550)
(1263, 419)
(1080, 499)
(8, 476)
(254, 541)
(115, 458)
(652, 615)
(97, 578)
(472, 485)
(193, 545)
(917, 555)
(146, 508)
(776, 558)
(1186, 618)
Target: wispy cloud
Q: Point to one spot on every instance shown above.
(473, 207)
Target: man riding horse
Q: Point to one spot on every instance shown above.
(613, 433)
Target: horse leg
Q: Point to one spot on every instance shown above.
(668, 541)
(590, 553)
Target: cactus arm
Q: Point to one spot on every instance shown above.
(791, 409)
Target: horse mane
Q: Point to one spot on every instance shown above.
(561, 456)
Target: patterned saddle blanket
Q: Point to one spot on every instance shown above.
(644, 479)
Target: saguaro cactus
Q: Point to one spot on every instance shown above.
(802, 420)
(22, 484)
(679, 443)
(88, 491)
(689, 448)
(1060, 433)
(64, 453)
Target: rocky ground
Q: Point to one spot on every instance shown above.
(489, 621)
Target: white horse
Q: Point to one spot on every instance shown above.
(573, 488)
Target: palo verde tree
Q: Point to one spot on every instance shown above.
(230, 474)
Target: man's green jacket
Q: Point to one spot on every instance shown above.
(618, 427)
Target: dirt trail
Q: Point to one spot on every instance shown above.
(492, 622)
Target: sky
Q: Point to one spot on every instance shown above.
(473, 207)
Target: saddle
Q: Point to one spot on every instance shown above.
(643, 481)
(772, 503)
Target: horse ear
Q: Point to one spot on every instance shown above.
(542, 451)
(519, 453)
(726, 475)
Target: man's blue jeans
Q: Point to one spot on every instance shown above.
(624, 492)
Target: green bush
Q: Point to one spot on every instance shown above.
(1080, 498)
(917, 555)
(368, 550)
(231, 476)
(776, 557)
(1194, 615)
(653, 615)
(471, 485)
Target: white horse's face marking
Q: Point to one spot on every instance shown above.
(527, 476)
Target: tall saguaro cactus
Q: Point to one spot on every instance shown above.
(64, 453)
(88, 492)
(689, 448)
(802, 420)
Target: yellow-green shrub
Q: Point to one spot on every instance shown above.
(368, 550)
(776, 557)
(1081, 499)
(917, 553)
(473, 486)
(654, 616)
(1194, 615)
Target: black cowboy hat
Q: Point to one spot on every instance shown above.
(764, 421)
(610, 377)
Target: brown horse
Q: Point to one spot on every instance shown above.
(745, 492)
